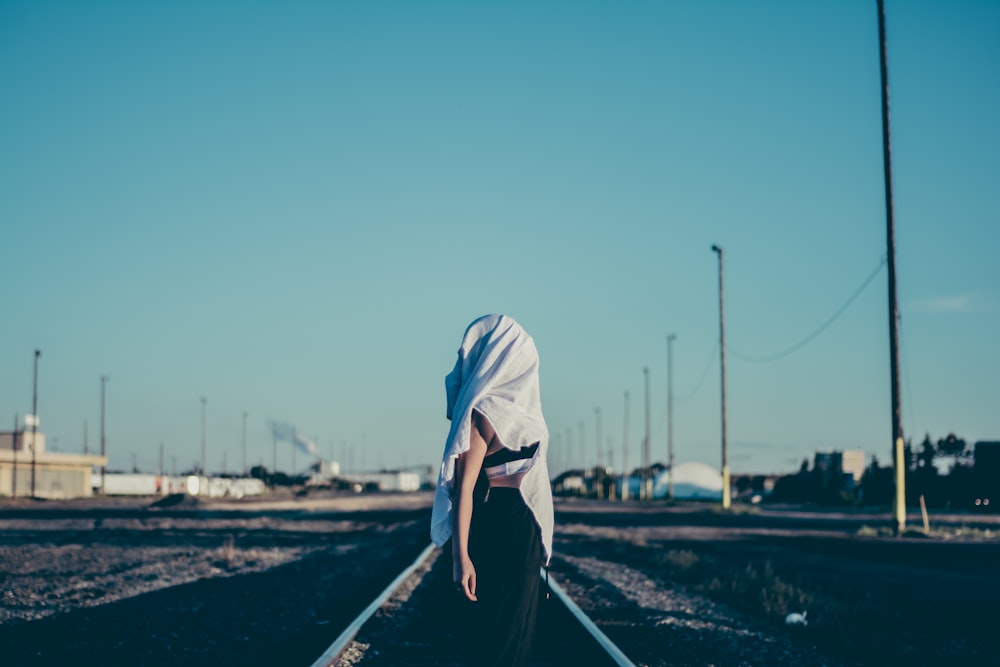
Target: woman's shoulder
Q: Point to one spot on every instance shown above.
(486, 430)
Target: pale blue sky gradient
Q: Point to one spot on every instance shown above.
(294, 209)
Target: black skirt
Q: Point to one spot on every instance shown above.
(506, 549)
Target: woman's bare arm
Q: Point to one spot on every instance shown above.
(469, 465)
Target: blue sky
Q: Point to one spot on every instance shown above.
(293, 209)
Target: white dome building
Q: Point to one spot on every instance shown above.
(692, 481)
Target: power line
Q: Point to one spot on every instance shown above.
(704, 375)
(822, 327)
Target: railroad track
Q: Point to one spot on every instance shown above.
(411, 624)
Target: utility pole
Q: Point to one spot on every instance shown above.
(13, 479)
(34, 425)
(86, 450)
(204, 469)
(160, 469)
(625, 474)
(897, 427)
(722, 352)
(569, 445)
(599, 470)
(274, 453)
(670, 416)
(104, 450)
(244, 443)
(647, 477)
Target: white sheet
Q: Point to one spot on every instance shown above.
(496, 374)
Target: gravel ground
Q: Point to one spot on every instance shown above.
(272, 581)
(41, 580)
(209, 585)
(705, 588)
(670, 626)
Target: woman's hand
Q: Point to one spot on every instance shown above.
(467, 582)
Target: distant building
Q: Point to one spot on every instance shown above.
(852, 462)
(572, 482)
(986, 454)
(57, 474)
(390, 480)
(692, 481)
(832, 465)
(147, 484)
(986, 474)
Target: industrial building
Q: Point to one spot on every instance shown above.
(56, 474)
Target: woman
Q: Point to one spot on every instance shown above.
(500, 538)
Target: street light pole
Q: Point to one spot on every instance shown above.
(104, 450)
(670, 416)
(722, 352)
(647, 479)
(34, 425)
(599, 470)
(203, 448)
(625, 474)
(13, 479)
(244, 443)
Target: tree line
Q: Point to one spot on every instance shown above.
(944, 472)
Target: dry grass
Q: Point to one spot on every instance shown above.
(755, 587)
(943, 532)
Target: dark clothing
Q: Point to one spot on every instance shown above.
(505, 455)
(506, 550)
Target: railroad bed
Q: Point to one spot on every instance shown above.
(416, 627)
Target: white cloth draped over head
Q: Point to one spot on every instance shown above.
(497, 375)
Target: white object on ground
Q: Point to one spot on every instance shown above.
(796, 619)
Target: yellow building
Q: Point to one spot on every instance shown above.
(57, 474)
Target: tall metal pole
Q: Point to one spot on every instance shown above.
(244, 443)
(625, 470)
(104, 450)
(647, 481)
(274, 453)
(86, 434)
(897, 428)
(13, 479)
(34, 425)
(569, 446)
(599, 470)
(722, 353)
(670, 416)
(204, 469)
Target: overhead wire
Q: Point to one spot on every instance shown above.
(704, 374)
(820, 329)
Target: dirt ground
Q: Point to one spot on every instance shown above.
(699, 578)
(117, 581)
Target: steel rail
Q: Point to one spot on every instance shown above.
(613, 651)
(332, 653)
